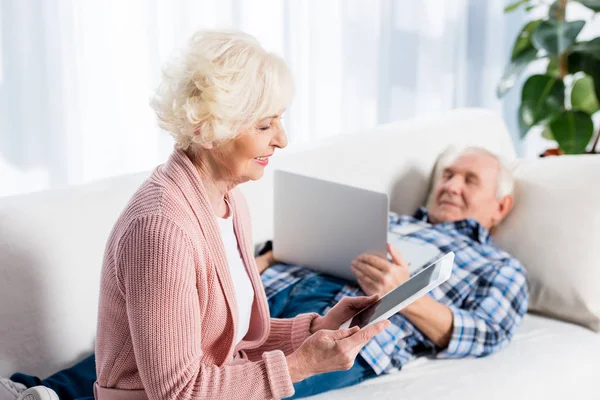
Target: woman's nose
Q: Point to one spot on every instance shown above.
(279, 138)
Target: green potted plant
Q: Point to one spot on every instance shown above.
(561, 101)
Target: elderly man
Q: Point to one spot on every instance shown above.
(473, 314)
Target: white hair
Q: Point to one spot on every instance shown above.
(505, 185)
(220, 84)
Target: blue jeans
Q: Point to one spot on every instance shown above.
(312, 294)
(315, 294)
(72, 383)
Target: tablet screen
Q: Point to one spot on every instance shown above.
(395, 297)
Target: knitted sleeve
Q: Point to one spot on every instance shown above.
(157, 273)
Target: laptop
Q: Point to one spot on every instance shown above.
(325, 225)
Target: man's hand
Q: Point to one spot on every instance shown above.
(376, 275)
(265, 261)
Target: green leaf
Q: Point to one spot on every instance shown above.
(547, 133)
(575, 62)
(542, 98)
(591, 47)
(556, 37)
(591, 4)
(523, 41)
(526, 120)
(514, 70)
(529, 8)
(585, 62)
(512, 7)
(552, 68)
(573, 131)
(583, 96)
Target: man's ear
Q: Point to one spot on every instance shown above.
(504, 207)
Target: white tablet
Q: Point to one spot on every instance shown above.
(423, 282)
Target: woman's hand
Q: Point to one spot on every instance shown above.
(327, 351)
(265, 261)
(376, 275)
(347, 308)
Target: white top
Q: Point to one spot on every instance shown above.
(244, 293)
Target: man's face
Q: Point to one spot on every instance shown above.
(467, 189)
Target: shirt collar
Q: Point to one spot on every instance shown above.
(468, 227)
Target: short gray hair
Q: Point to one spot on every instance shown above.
(506, 182)
(221, 83)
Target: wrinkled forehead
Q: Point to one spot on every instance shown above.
(471, 161)
(477, 162)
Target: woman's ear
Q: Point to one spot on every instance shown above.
(206, 146)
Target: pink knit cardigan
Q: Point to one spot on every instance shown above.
(167, 313)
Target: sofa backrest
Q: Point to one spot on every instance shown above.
(52, 243)
(396, 159)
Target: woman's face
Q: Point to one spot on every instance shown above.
(245, 157)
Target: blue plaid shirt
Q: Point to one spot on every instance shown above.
(487, 294)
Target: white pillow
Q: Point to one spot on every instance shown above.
(554, 230)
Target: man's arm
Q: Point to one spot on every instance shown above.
(482, 324)
(487, 319)
(376, 275)
(265, 261)
(432, 318)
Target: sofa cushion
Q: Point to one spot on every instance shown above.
(554, 230)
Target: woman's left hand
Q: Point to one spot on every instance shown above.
(342, 312)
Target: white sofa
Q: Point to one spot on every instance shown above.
(51, 247)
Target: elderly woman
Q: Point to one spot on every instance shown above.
(182, 312)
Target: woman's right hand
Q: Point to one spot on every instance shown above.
(327, 351)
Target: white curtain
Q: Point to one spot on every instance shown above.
(76, 75)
